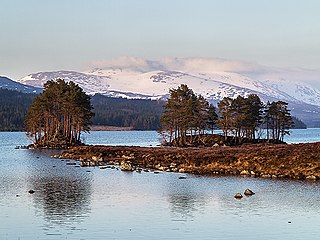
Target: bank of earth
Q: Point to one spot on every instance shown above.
(295, 161)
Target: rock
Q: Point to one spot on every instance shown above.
(238, 196)
(266, 176)
(244, 172)
(252, 173)
(126, 166)
(215, 145)
(311, 177)
(31, 191)
(248, 192)
(182, 170)
(71, 163)
(97, 159)
(173, 165)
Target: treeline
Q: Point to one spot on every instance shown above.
(13, 107)
(188, 116)
(119, 112)
(136, 113)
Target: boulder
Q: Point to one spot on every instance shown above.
(97, 158)
(238, 196)
(244, 172)
(248, 192)
(31, 191)
(311, 177)
(126, 166)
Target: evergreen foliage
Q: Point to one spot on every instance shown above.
(185, 115)
(121, 112)
(240, 116)
(278, 120)
(58, 115)
(13, 107)
(138, 114)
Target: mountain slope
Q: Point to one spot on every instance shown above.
(6, 83)
(212, 78)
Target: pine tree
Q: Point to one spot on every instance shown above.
(59, 115)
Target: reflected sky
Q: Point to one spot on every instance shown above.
(92, 203)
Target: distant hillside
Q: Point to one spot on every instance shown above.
(6, 83)
(136, 78)
(138, 114)
(118, 112)
(13, 106)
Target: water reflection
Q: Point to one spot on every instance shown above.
(184, 198)
(184, 205)
(63, 201)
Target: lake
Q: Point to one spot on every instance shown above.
(92, 203)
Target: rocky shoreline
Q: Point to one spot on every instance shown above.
(293, 161)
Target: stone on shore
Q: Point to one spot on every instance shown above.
(311, 177)
(126, 166)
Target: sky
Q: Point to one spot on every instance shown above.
(47, 35)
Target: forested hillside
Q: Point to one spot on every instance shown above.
(136, 113)
(13, 106)
(120, 112)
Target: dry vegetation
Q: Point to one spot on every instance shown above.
(297, 161)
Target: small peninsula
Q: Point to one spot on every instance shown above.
(292, 161)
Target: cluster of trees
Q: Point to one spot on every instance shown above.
(59, 114)
(187, 115)
(243, 117)
(138, 114)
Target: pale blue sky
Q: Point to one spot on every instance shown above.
(39, 35)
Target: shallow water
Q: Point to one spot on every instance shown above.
(90, 203)
(152, 138)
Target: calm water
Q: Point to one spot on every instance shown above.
(90, 203)
(152, 138)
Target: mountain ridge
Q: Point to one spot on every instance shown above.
(131, 77)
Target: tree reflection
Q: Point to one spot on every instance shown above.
(63, 200)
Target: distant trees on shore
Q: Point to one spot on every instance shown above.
(187, 116)
(138, 114)
(58, 115)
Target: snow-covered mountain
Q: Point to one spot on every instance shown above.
(7, 83)
(212, 78)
